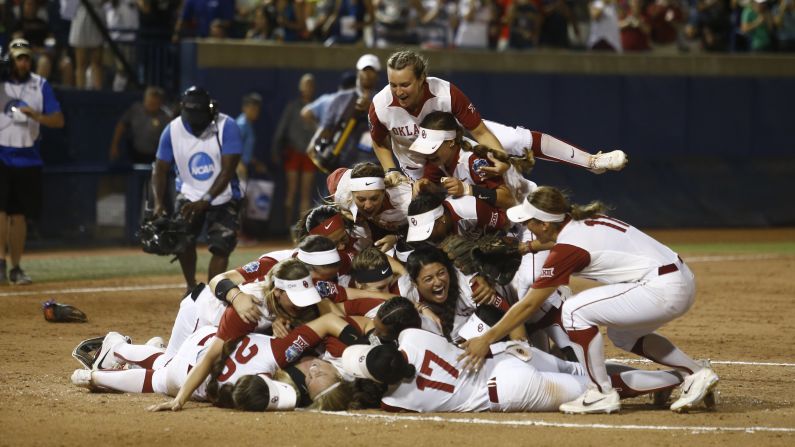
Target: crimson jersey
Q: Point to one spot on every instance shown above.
(604, 249)
(439, 385)
(256, 270)
(388, 118)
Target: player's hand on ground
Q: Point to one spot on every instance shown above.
(173, 405)
(499, 168)
(475, 352)
(247, 307)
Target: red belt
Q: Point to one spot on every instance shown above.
(493, 392)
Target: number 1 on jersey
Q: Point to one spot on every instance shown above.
(424, 382)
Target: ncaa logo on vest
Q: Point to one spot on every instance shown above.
(201, 166)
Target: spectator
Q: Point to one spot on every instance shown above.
(347, 20)
(156, 18)
(289, 144)
(604, 33)
(30, 103)
(122, 19)
(290, 23)
(142, 125)
(756, 23)
(713, 25)
(31, 27)
(557, 16)
(394, 24)
(218, 29)
(252, 105)
(474, 18)
(666, 20)
(437, 23)
(634, 27)
(261, 27)
(524, 20)
(784, 17)
(205, 146)
(85, 37)
(314, 112)
(199, 15)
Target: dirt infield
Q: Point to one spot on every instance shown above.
(744, 312)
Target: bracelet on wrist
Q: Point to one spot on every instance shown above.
(232, 300)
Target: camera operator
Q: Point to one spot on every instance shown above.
(27, 102)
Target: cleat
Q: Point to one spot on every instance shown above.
(156, 342)
(696, 388)
(612, 161)
(593, 401)
(105, 358)
(18, 277)
(82, 378)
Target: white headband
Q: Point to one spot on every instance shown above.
(367, 184)
(294, 285)
(319, 257)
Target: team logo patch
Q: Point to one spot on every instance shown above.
(478, 165)
(547, 272)
(414, 221)
(480, 328)
(294, 351)
(201, 166)
(251, 267)
(306, 285)
(274, 399)
(326, 288)
(471, 108)
(424, 136)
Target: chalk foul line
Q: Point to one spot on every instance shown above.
(539, 423)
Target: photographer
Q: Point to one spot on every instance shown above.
(28, 102)
(205, 146)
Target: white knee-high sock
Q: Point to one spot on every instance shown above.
(637, 382)
(141, 355)
(128, 380)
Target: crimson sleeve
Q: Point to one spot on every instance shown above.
(290, 348)
(563, 260)
(232, 326)
(256, 270)
(378, 131)
(489, 217)
(463, 109)
(361, 306)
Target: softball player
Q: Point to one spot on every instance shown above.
(424, 370)
(647, 285)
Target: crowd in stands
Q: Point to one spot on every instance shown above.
(69, 46)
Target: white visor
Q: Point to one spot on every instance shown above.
(354, 361)
(526, 211)
(474, 327)
(282, 395)
(421, 225)
(429, 140)
(301, 292)
(367, 184)
(319, 257)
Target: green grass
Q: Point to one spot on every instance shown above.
(90, 266)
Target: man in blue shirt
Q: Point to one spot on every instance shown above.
(27, 103)
(252, 106)
(204, 146)
(201, 13)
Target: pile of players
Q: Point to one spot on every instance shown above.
(441, 285)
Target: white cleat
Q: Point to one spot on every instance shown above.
(82, 378)
(593, 401)
(612, 161)
(105, 358)
(156, 342)
(696, 388)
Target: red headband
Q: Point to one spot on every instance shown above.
(329, 226)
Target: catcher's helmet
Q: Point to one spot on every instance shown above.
(164, 236)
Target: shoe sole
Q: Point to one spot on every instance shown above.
(610, 410)
(710, 390)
